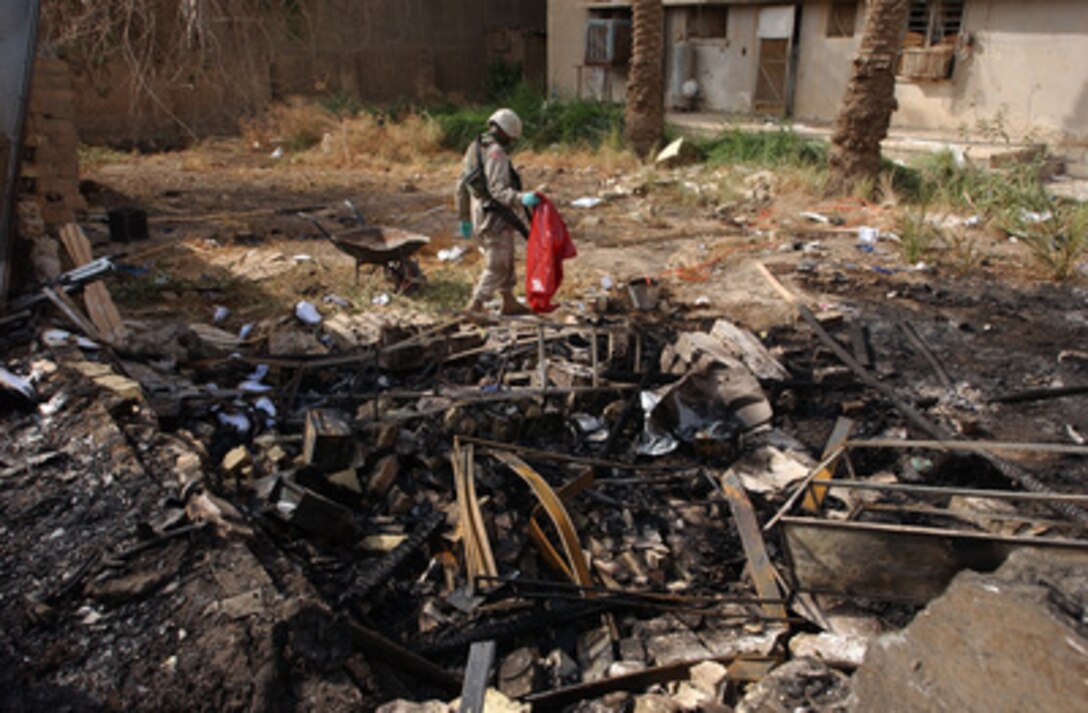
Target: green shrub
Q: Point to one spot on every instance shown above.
(765, 148)
(546, 122)
(1057, 236)
(917, 235)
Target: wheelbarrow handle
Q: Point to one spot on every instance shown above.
(355, 211)
(315, 221)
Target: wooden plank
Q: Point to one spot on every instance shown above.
(69, 309)
(814, 496)
(755, 550)
(481, 657)
(103, 312)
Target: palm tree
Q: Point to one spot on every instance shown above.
(867, 107)
(645, 109)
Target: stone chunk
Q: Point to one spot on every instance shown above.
(1012, 640)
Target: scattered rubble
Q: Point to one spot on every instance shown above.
(631, 505)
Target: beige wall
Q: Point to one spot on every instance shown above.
(823, 63)
(566, 51)
(725, 68)
(1027, 71)
(1029, 65)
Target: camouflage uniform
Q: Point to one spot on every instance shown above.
(495, 233)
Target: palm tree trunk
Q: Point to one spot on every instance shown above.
(866, 110)
(645, 109)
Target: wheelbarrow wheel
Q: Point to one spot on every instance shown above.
(406, 276)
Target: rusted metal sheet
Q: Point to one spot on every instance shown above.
(759, 564)
(895, 562)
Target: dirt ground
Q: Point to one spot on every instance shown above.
(91, 621)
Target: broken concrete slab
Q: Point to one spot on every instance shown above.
(519, 673)
(1008, 641)
(838, 650)
(595, 653)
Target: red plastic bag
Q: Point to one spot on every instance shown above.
(549, 245)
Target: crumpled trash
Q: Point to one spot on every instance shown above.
(277, 153)
(307, 313)
(453, 254)
(380, 300)
(1030, 216)
(607, 283)
(591, 426)
(815, 217)
(60, 338)
(336, 300)
(221, 313)
(238, 421)
(265, 405)
(17, 384)
(867, 235)
(587, 202)
(245, 331)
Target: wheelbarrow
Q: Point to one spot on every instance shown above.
(376, 245)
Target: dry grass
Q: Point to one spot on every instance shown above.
(365, 140)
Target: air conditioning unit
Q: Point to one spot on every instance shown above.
(927, 62)
(608, 42)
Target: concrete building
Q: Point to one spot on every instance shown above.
(992, 67)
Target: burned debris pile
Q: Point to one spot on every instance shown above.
(624, 512)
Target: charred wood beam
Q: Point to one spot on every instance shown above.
(378, 574)
(371, 642)
(920, 346)
(519, 625)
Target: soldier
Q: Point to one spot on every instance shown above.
(489, 199)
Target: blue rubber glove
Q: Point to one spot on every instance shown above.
(466, 229)
(530, 200)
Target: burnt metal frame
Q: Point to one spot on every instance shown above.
(965, 548)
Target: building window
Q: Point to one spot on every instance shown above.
(707, 23)
(843, 18)
(933, 22)
(929, 48)
(608, 38)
